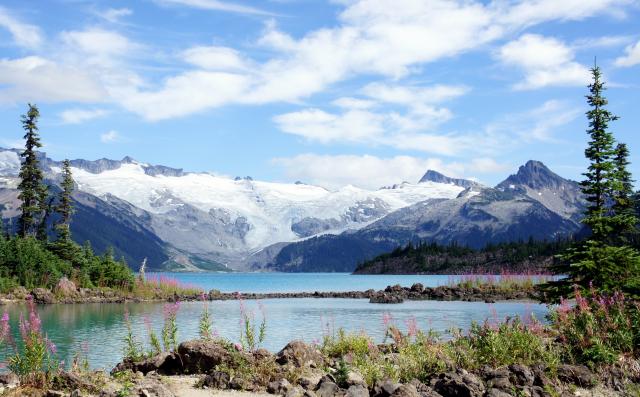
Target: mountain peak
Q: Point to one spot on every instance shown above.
(534, 174)
(437, 177)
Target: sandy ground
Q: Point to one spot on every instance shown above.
(183, 386)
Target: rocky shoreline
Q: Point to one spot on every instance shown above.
(301, 370)
(391, 294)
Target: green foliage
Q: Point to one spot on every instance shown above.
(170, 327)
(33, 359)
(433, 257)
(205, 326)
(249, 338)
(598, 329)
(132, 348)
(63, 245)
(605, 261)
(33, 193)
(510, 342)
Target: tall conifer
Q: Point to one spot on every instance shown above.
(64, 208)
(33, 192)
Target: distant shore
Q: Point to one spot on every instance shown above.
(391, 294)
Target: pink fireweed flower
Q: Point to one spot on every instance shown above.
(126, 315)
(51, 347)
(170, 310)
(238, 347)
(387, 319)
(412, 326)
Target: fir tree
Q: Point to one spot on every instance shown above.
(600, 176)
(602, 262)
(64, 245)
(33, 193)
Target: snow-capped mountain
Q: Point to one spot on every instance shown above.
(214, 218)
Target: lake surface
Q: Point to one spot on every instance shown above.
(98, 330)
(301, 282)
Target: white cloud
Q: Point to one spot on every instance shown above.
(216, 5)
(99, 42)
(24, 34)
(539, 124)
(371, 37)
(110, 137)
(37, 79)
(366, 171)
(545, 61)
(185, 94)
(215, 58)
(412, 95)
(531, 12)
(354, 103)
(114, 15)
(631, 56)
(372, 172)
(77, 116)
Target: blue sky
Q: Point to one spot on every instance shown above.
(363, 92)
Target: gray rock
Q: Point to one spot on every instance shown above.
(407, 390)
(310, 381)
(281, 386)
(357, 391)
(299, 354)
(459, 384)
(521, 375)
(496, 393)
(9, 380)
(296, 391)
(43, 295)
(355, 378)
(326, 388)
(578, 375)
(217, 380)
(200, 356)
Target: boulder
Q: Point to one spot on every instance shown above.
(384, 297)
(498, 378)
(299, 354)
(326, 388)
(357, 391)
(65, 288)
(497, 393)
(217, 380)
(578, 375)
(163, 363)
(296, 391)
(310, 381)
(354, 378)
(521, 375)
(459, 384)
(43, 295)
(201, 356)
(281, 386)
(385, 388)
(407, 390)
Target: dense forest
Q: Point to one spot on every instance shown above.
(40, 250)
(434, 258)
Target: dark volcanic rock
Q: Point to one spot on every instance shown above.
(459, 384)
(199, 356)
(299, 354)
(578, 375)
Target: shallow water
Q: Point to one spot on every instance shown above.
(98, 329)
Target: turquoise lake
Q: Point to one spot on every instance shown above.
(98, 330)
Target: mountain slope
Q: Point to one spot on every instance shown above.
(535, 203)
(219, 220)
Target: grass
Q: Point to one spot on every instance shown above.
(504, 281)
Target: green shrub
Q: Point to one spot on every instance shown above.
(598, 329)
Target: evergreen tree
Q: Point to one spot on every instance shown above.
(603, 261)
(33, 193)
(600, 176)
(64, 245)
(624, 214)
